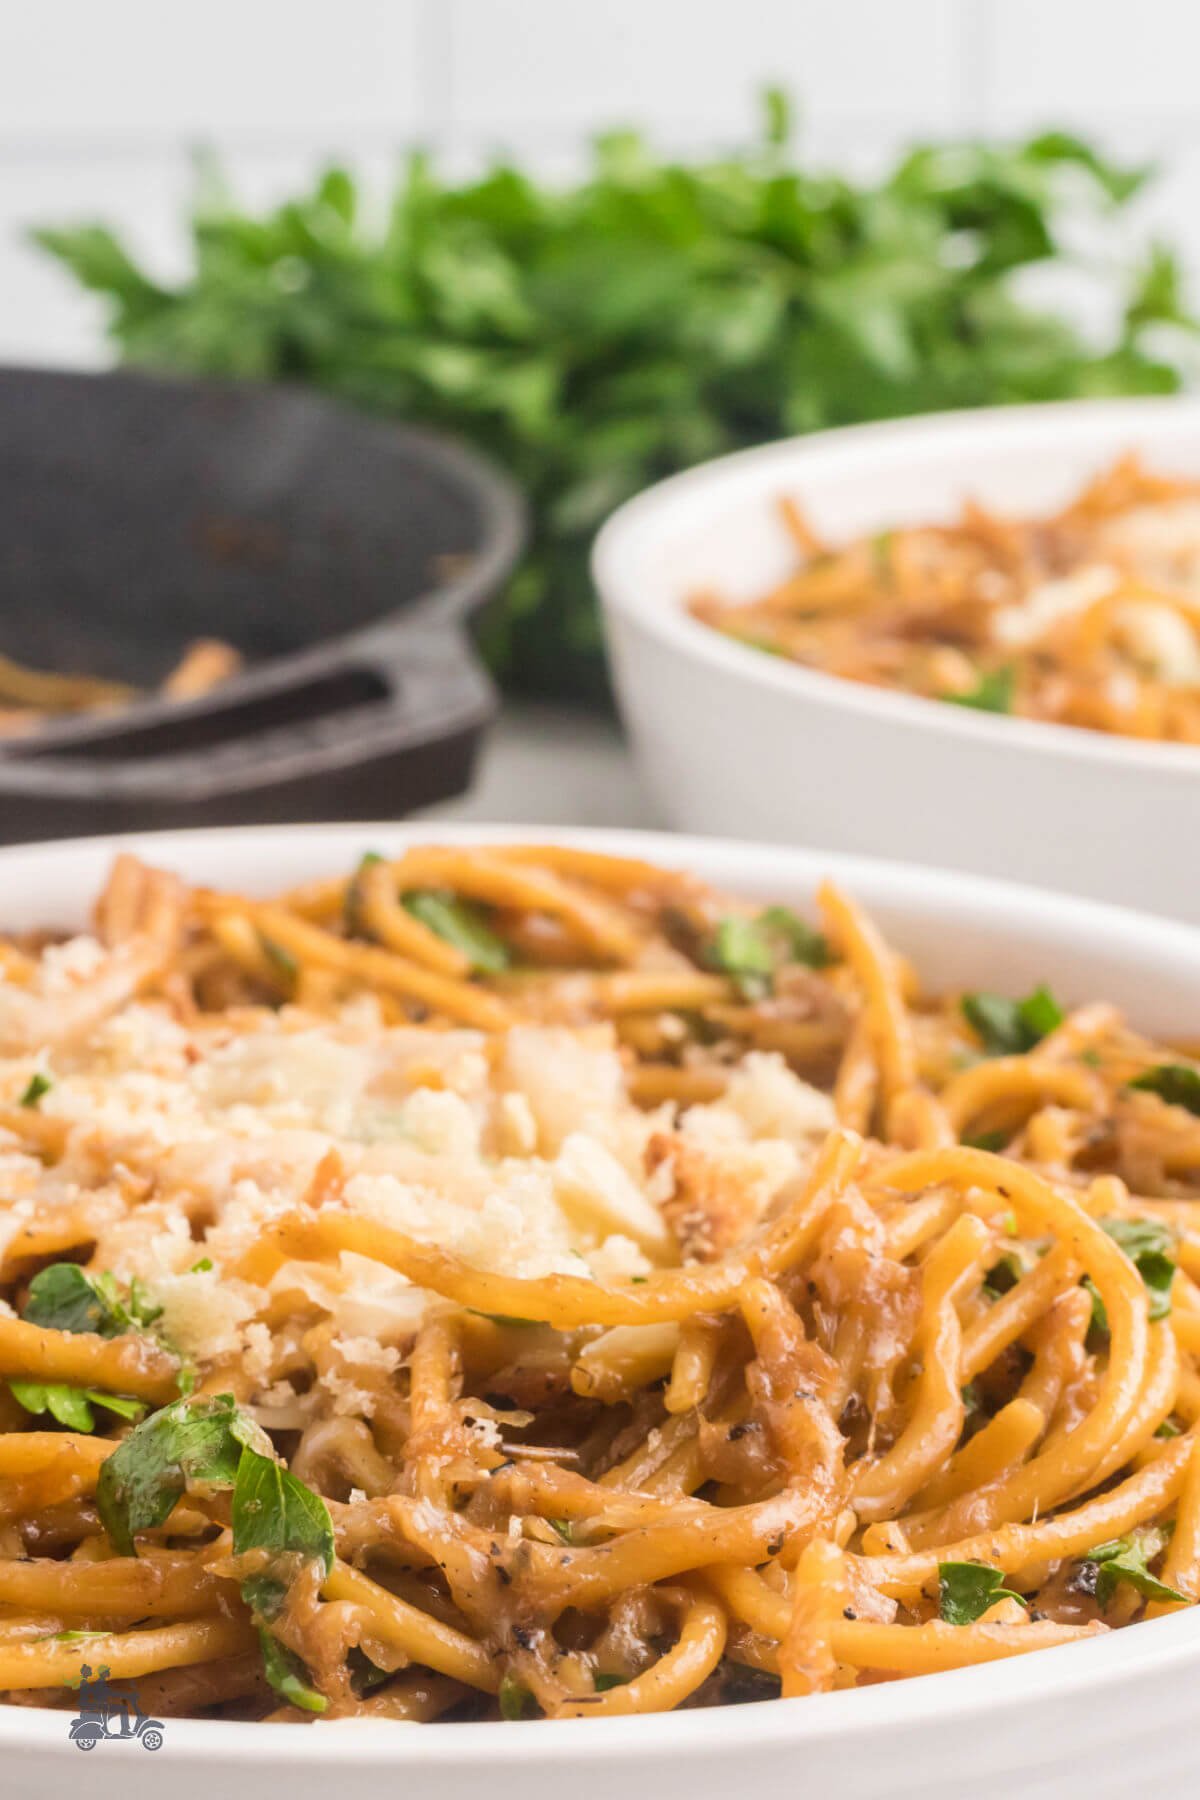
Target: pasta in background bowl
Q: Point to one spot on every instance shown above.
(865, 764)
(679, 1061)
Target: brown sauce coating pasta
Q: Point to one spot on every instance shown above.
(933, 1309)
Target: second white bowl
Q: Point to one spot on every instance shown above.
(739, 743)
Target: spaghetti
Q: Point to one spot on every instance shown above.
(516, 1281)
(1090, 617)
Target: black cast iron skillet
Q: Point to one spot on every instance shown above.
(340, 554)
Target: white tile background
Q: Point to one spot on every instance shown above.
(100, 100)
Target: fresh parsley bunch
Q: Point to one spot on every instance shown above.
(598, 336)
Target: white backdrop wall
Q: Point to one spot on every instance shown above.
(101, 101)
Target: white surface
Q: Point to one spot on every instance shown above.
(99, 105)
(1096, 1718)
(734, 741)
(554, 765)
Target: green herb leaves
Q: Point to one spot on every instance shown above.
(62, 1298)
(993, 692)
(274, 1511)
(1176, 1083)
(1012, 1027)
(38, 1086)
(186, 1446)
(515, 1699)
(72, 1406)
(287, 1674)
(460, 923)
(1149, 1245)
(596, 337)
(751, 950)
(966, 1590)
(209, 1445)
(1125, 1560)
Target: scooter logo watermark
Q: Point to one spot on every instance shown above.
(110, 1711)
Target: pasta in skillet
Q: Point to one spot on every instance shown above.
(1090, 617)
(517, 1281)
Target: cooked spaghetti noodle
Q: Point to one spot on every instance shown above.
(519, 1281)
(1090, 617)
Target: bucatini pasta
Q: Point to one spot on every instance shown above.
(517, 1281)
(1090, 617)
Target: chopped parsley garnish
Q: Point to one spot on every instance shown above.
(987, 1140)
(1149, 1245)
(72, 1406)
(1003, 1274)
(273, 1510)
(794, 938)
(1176, 1083)
(1012, 1027)
(206, 1446)
(62, 1297)
(39, 1084)
(1125, 1560)
(281, 960)
(462, 924)
(752, 950)
(183, 1446)
(514, 1697)
(288, 1675)
(966, 1590)
(740, 949)
(352, 905)
(994, 692)
(603, 1683)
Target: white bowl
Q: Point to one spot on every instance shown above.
(1092, 1718)
(738, 742)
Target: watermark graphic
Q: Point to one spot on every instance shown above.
(108, 1711)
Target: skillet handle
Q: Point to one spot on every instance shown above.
(409, 742)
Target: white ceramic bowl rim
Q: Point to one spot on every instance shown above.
(623, 539)
(1097, 1666)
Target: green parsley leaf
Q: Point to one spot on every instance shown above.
(1176, 1083)
(1148, 1243)
(352, 905)
(1012, 1027)
(72, 1406)
(461, 924)
(1169, 1429)
(507, 1319)
(966, 1590)
(1099, 1321)
(741, 949)
(1003, 1274)
(596, 335)
(603, 1682)
(184, 1446)
(1125, 1560)
(39, 1084)
(281, 960)
(752, 950)
(988, 1140)
(514, 1697)
(62, 1297)
(288, 1675)
(994, 692)
(794, 939)
(273, 1510)
(564, 1529)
